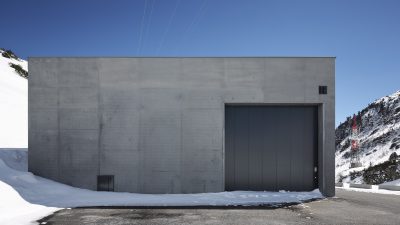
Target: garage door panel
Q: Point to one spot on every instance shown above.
(241, 123)
(310, 147)
(256, 146)
(298, 141)
(269, 165)
(270, 147)
(283, 148)
(229, 155)
(269, 157)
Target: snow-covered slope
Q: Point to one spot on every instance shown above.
(379, 137)
(13, 104)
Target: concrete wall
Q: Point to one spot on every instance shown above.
(157, 124)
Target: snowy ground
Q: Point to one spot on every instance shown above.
(25, 197)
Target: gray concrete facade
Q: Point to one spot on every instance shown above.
(157, 124)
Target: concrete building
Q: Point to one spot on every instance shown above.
(183, 125)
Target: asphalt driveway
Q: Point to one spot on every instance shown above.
(347, 208)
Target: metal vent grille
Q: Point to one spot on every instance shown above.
(323, 90)
(105, 183)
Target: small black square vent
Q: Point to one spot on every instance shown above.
(323, 90)
(105, 183)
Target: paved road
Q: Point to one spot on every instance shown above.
(347, 208)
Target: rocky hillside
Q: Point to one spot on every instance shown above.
(379, 125)
(13, 100)
(20, 66)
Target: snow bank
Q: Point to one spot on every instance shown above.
(15, 158)
(15, 210)
(42, 191)
(41, 197)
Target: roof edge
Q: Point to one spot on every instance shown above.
(177, 57)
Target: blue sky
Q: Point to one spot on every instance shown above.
(364, 35)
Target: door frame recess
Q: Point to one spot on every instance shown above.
(320, 129)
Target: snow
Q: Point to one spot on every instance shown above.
(376, 191)
(14, 105)
(25, 197)
(15, 158)
(15, 210)
(394, 182)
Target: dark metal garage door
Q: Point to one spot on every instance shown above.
(271, 148)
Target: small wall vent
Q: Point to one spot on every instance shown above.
(105, 183)
(323, 90)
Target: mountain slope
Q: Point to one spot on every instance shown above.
(379, 138)
(13, 101)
